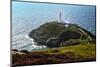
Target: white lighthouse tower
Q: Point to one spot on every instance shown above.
(60, 17)
(62, 21)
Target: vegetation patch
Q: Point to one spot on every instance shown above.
(67, 54)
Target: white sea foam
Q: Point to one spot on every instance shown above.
(25, 42)
(26, 36)
(34, 44)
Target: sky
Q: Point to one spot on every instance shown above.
(34, 13)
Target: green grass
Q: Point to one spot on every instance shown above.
(80, 51)
(67, 54)
(76, 48)
(83, 50)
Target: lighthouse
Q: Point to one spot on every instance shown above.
(60, 17)
(62, 21)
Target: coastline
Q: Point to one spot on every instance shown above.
(34, 44)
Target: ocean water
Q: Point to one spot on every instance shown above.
(27, 16)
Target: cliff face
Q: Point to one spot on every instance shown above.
(54, 34)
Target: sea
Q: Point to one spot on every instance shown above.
(27, 16)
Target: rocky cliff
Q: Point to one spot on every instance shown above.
(55, 34)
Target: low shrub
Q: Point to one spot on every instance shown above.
(55, 50)
(14, 50)
(24, 51)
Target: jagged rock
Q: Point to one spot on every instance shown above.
(52, 42)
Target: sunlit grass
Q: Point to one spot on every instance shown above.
(83, 50)
(74, 53)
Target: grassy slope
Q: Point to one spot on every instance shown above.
(83, 50)
(69, 54)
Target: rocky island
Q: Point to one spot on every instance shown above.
(55, 34)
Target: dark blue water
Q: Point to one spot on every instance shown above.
(27, 16)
